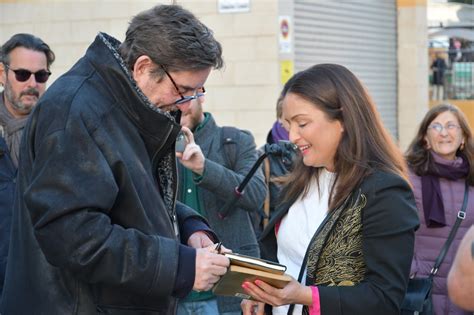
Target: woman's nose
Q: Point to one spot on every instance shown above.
(293, 135)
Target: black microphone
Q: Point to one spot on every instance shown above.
(284, 149)
(273, 149)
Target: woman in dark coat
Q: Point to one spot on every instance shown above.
(346, 226)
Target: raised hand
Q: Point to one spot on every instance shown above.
(192, 157)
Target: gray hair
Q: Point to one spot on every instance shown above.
(173, 38)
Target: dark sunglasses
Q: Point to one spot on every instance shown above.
(22, 75)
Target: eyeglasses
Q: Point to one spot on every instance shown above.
(23, 75)
(184, 99)
(439, 128)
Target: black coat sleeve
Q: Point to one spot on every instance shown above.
(190, 222)
(71, 193)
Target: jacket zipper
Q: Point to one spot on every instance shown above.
(154, 162)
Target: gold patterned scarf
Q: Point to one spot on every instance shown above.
(335, 256)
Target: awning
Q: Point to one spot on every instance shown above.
(464, 33)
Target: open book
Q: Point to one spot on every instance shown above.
(245, 268)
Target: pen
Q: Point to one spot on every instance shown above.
(218, 247)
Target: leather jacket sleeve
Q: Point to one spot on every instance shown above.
(72, 190)
(190, 221)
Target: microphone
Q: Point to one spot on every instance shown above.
(273, 149)
(284, 149)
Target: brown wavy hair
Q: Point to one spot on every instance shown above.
(365, 145)
(418, 156)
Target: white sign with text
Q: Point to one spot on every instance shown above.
(233, 6)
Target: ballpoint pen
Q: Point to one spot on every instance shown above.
(218, 247)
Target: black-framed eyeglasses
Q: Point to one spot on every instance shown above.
(450, 127)
(184, 99)
(23, 75)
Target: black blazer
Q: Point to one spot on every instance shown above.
(360, 256)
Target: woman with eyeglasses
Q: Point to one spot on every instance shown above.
(441, 160)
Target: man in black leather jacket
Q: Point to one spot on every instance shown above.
(96, 227)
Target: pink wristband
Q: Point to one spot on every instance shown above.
(315, 308)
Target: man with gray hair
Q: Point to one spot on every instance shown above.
(96, 227)
(25, 61)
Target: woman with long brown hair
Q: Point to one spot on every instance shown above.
(441, 163)
(345, 228)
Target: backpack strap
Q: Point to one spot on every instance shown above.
(460, 216)
(229, 140)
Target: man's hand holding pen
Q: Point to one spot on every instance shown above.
(210, 266)
(221, 249)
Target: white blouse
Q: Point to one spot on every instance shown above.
(298, 227)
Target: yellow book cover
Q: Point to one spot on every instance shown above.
(231, 283)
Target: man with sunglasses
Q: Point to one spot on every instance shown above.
(24, 69)
(96, 227)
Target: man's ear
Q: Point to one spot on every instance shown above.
(142, 65)
(3, 74)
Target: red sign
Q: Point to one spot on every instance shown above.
(284, 28)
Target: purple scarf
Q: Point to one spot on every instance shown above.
(431, 192)
(279, 132)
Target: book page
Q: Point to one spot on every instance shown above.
(255, 263)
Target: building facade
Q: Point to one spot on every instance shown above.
(264, 42)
